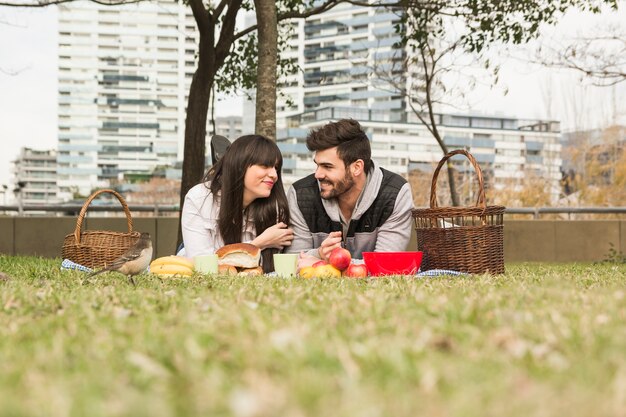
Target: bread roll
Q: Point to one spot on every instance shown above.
(226, 269)
(250, 271)
(241, 255)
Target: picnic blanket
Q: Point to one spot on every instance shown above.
(69, 265)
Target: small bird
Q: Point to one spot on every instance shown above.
(4, 277)
(134, 261)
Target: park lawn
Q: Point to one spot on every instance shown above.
(541, 340)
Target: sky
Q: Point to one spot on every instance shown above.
(28, 84)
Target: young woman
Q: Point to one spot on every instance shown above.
(240, 199)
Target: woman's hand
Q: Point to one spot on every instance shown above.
(277, 236)
(331, 242)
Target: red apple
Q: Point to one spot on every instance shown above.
(319, 263)
(340, 258)
(356, 271)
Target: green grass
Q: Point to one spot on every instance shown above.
(542, 340)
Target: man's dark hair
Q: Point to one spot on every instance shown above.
(347, 135)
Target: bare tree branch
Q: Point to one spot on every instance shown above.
(12, 72)
(44, 3)
(409, 4)
(601, 57)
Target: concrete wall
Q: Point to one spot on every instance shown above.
(562, 241)
(524, 240)
(43, 236)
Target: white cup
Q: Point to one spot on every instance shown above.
(205, 264)
(286, 264)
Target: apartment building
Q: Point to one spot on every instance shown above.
(35, 176)
(124, 77)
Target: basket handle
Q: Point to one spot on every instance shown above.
(83, 212)
(481, 192)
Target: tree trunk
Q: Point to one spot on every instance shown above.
(429, 62)
(265, 122)
(195, 123)
(211, 56)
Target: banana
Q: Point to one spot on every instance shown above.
(171, 270)
(172, 260)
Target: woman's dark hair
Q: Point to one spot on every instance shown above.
(346, 134)
(227, 176)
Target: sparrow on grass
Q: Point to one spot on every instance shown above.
(134, 261)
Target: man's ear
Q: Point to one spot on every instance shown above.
(357, 167)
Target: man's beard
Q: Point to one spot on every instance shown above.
(338, 188)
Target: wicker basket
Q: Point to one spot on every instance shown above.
(466, 239)
(97, 248)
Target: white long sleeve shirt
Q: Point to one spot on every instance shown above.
(199, 223)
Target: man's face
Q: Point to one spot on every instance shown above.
(331, 173)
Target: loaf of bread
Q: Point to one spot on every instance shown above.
(240, 255)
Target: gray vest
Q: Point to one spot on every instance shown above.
(362, 232)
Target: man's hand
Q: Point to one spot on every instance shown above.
(331, 242)
(277, 236)
(305, 260)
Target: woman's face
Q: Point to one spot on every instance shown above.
(258, 183)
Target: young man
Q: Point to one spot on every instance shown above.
(349, 201)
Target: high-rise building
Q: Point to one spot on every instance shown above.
(124, 77)
(337, 51)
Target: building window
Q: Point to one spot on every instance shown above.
(487, 123)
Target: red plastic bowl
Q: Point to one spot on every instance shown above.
(392, 263)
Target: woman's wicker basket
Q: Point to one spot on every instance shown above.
(466, 239)
(97, 248)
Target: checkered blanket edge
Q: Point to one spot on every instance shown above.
(68, 265)
(439, 272)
